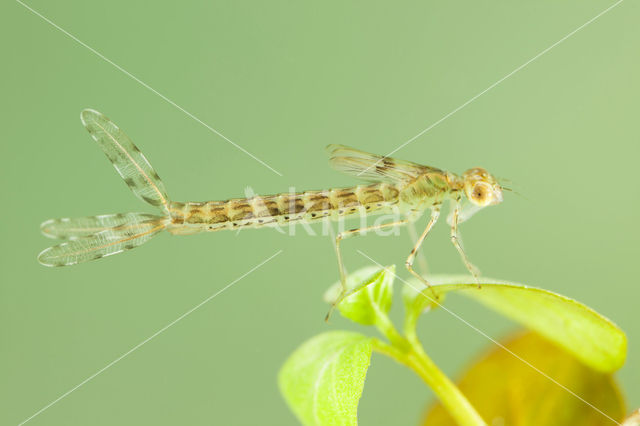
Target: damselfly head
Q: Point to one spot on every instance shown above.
(481, 188)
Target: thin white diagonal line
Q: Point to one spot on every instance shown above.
(148, 339)
(128, 74)
(494, 84)
(495, 342)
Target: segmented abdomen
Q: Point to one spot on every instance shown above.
(281, 209)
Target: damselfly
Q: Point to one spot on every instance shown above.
(394, 185)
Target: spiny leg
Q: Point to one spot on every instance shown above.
(435, 213)
(343, 277)
(455, 239)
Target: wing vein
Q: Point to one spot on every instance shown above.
(137, 166)
(120, 241)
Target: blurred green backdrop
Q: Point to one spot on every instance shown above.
(284, 79)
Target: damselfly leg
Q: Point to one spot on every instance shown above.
(455, 239)
(435, 213)
(344, 291)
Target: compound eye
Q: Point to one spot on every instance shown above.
(480, 193)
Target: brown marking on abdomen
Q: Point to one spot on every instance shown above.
(195, 216)
(369, 194)
(345, 198)
(290, 203)
(218, 214)
(264, 207)
(317, 201)
(239, 210)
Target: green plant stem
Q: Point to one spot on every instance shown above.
(386, 327)
(409, 352)
(450, 396)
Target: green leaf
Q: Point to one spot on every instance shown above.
(322, 380)
(372, 295)
(507, 391)
(591, 337)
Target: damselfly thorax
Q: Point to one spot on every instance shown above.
(394, 186)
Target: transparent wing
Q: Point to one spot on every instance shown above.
(130, 163)
(80, 227)
(104, 243)
(364, 165)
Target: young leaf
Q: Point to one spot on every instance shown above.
(371, 297)
(322, 380)
(506, 391)
(592, 338)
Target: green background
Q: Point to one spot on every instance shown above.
(284, 79)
